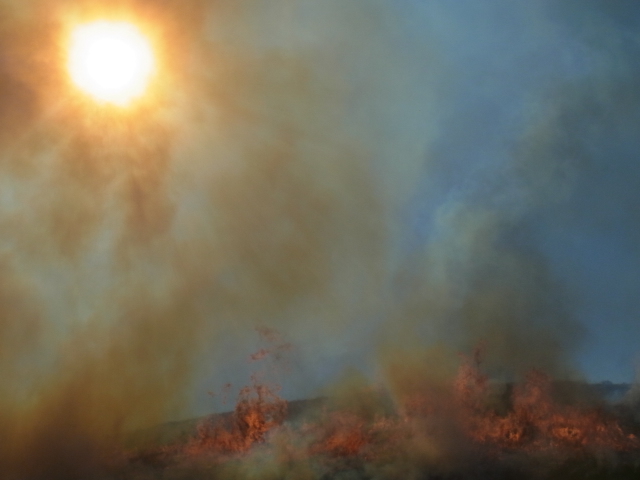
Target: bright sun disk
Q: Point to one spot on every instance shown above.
(111, 61)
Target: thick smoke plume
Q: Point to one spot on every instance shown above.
(263, 180)
(231, 195)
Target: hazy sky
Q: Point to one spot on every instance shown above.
(372, 179)
(556, 81)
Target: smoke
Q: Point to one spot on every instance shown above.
(235, 194)
(264, 180)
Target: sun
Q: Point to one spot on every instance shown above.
(111, 61)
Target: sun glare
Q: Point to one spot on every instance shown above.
(111, 61)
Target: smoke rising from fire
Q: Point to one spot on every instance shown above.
(263, 181)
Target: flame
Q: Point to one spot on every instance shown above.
(535, 421)
(420, 428)
(258, 410)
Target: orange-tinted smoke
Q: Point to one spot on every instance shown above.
(133, 236)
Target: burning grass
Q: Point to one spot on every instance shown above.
(259, 409)
(456, 432)
(535, 421)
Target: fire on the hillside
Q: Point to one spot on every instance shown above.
(422, 429)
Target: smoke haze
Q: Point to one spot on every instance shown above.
(370, 179)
